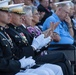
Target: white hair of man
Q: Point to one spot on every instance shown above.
(27, 10)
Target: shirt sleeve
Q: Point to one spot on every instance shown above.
(47, 22)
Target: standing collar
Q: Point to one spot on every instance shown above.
(24, 26)
(12, 26)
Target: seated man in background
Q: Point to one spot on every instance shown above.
(52, 5)
(43, 7)
(63, 34)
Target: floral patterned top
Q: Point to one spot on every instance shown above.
(35, 31)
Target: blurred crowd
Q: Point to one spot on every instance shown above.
(28, 31)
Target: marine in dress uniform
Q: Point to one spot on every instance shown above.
(8, 66)
(20, 40)
(27, 50)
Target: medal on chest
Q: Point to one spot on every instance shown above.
(24, 39)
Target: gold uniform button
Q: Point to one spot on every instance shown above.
(1, 28)
(3, 39)
(16, 36)
(19, 41)
(6, 45)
